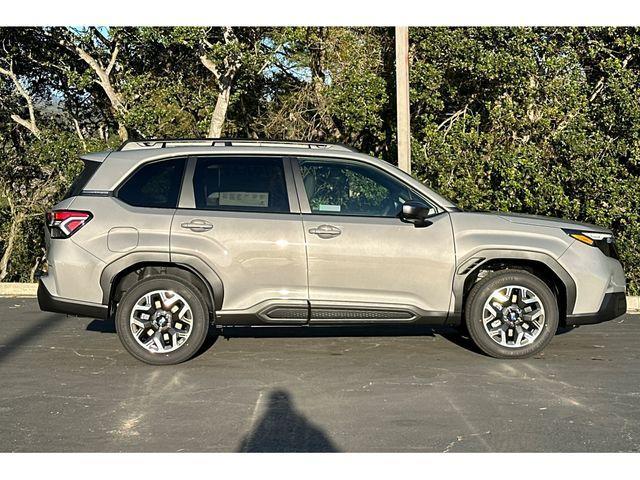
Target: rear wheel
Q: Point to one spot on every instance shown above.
(162, 320)
(511, 314)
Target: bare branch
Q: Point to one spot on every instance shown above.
(268, 61)
(449, 121)
(228, 35)
(597, 90)
(79, 132)
(104, 40)
(114, 57)
(104, 79)
(210, 66)
(31, 124)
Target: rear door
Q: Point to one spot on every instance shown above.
(240, 215)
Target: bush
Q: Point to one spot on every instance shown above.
(541, 121)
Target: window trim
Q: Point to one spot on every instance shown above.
(116, 191)
(187, 200)
(305, 208)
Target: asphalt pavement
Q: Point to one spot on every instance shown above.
(66, 384)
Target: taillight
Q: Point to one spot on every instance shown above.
(64, 223)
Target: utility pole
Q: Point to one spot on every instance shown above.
(402, 98)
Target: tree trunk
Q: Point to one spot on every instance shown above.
(123, 133)
(14, 231)
(220, 113)
(34, 269)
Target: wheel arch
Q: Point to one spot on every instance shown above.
(121, 274)
(540, 264)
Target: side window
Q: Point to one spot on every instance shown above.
(344, 188)
(251, 184)
(155, 185)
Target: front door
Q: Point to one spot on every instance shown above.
(364, 263)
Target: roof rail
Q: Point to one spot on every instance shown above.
(228, 142)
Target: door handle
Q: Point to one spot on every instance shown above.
(325, 231)
(197, 225)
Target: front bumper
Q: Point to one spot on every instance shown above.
(613, 305)
(50, 303)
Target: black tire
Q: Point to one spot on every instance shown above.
(481, 292)
(199, 327)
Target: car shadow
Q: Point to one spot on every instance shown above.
(453, 335)
(283, 428)
(563, 329)
(102, 326)
(457, 336)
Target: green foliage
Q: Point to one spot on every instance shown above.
(163, 109)
(541, 121)
(533, 120)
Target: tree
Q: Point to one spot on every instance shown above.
(99, 50)
(535, 120)
(532, 120)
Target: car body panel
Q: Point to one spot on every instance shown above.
(381, 260)
(596, 276)
(258, 257)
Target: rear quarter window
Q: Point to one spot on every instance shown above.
(154, 185)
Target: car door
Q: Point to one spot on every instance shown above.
(364, 263)
(240, 215)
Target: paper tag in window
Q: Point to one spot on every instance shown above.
(329, 208)
(244, 199)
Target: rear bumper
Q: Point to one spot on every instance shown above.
(50, 303)
(613, 305)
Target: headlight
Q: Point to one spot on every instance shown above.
(600, 240)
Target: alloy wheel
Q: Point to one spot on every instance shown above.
(161, 321)
(513, 316)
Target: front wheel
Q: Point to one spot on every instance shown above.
(511, 314)
(162, 320)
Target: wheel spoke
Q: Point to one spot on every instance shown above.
(183, 312)
(157, 339)
(501, 296)
(137, 323)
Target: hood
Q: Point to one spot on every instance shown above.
(542, 221)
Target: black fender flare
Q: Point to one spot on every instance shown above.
(192, 263)
(475, 260)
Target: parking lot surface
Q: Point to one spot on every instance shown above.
(68, 385)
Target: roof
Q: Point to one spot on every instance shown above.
(95, 156)
(229, 142)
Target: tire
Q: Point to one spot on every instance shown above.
(514, 298)
(174, 340)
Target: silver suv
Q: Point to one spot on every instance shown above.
(172, 237)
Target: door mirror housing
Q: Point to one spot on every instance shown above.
(416, 212)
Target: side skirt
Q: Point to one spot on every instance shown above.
(302, 314)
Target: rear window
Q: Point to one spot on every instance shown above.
(155, 185)
(82, 179)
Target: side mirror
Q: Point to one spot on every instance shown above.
(416, 212)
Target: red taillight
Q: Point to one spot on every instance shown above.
(64, 223)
